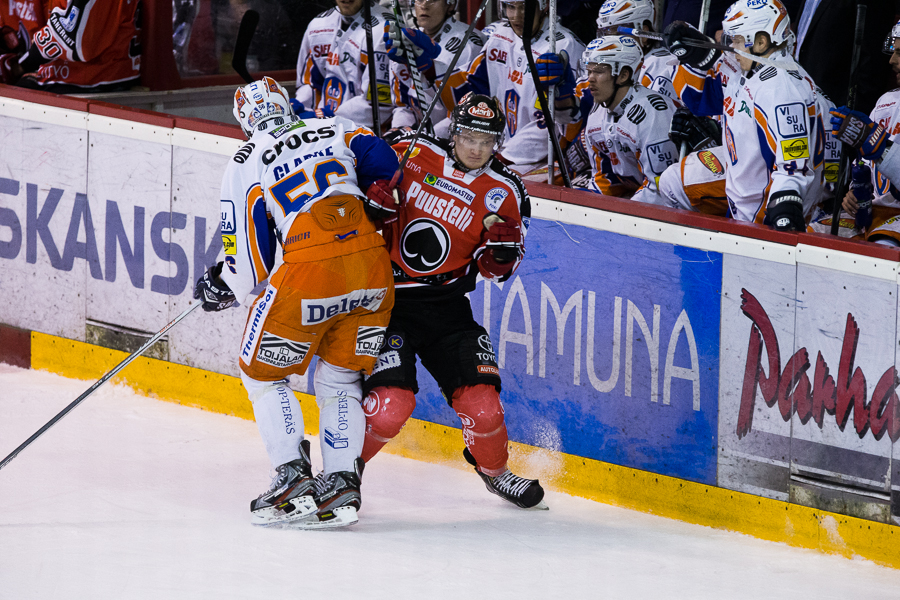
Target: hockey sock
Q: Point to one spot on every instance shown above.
(278, 418)
(342, 424)
(484, 428)
(387, 409)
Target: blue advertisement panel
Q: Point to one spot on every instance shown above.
(608, 347)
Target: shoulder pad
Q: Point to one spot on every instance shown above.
(767, 74)
(244, 153)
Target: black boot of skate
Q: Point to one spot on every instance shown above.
(337, 498)
(291, 494)
(524, 493)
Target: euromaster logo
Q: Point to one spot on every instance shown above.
(794, 149)
(454, 190)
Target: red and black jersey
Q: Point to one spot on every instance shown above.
(441, 223)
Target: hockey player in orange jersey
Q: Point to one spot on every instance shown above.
(71, 46)
(463, 213)
(301, 182)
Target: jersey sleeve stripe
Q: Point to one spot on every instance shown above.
(256, 211)
(763, 123)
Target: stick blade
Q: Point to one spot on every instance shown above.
(242, 44)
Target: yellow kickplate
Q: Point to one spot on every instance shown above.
(697, 503)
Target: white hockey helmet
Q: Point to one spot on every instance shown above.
(890, 44)
(617, 51)
(632, 13)
(260, 101)
(746, 18)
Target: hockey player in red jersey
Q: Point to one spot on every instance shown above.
(72, 46)
(463, 213)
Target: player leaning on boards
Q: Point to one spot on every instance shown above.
(332, 67)
(463, 213)
(437, 37)
(771, 128)
(874, 138)
(300, 182)
(627, 131)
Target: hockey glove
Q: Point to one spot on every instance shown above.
(381, 202)
(674, 38)
(424, 51)
(857, 130)
(785, 212)
(212, 291)
(700, 133)
(554, 69)
(9, 40)
(300, 111)
(398, 134)
(861, 187)
(10, 71)
(500, 251)
(577, 157)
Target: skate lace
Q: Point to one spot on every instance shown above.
(323, 483)
(511, 484)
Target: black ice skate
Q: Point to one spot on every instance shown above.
(337, 499)
(524, 493)
(291, 495)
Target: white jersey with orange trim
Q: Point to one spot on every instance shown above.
(406, 102)
(501, 71)
(332, 67)
(658, 71)
(887, 114)
(629, 145)
(281, 173)
(772, 113)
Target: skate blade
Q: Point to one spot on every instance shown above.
(339, 517)
(539, 506)
(272, 516)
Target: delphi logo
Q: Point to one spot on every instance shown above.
(322, 309)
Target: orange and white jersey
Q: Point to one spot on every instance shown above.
(441, 223)
(887, 114)
(630, 144)
(407, 109)
(282, 173)
(771, 129)
(332, 67)
(501, 71)
(658, 71)
(88, 43)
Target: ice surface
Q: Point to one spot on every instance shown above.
(130, 497)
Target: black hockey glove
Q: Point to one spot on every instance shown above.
(577, 157)
(397, 135)
(212, 291)
(674, 38)
(700, 133)
(785, 212)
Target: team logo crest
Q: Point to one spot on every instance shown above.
(494, 199)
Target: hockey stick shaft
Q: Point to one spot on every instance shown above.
(704, 16)
(414, 74)
(780, 64)
(843, 183)
(242, 44)
(437, 96)
(373, 80)
(551, 93)
(96, 385)
(527, 34)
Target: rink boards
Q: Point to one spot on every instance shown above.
(737, 378)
